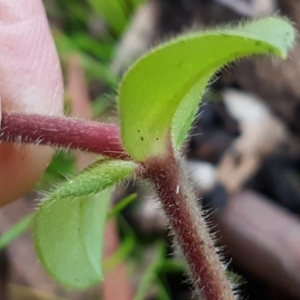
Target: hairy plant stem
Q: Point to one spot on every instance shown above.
(62, 132)
(190, 230)
(178, 200)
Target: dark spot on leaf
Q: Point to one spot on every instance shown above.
(258, 43)
(157, 139)
(142, 138)
(180, 64)
(271, 51)
(139, 131)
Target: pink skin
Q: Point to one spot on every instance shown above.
(30, 81)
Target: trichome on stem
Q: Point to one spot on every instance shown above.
(165, 173)
(159, 99)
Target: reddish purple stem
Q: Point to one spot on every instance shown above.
(177, 199)
(189, 228)
(62, 132)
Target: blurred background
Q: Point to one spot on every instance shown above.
(243, 156)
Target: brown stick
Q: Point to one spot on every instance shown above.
(264, 238)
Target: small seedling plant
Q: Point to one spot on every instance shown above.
(158, 100)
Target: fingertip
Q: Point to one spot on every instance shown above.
(30, 81)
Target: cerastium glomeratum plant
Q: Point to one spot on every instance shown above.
(158, 99)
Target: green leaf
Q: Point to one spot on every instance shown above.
(136, 3)
(113, 11)
(162, 90)
(69, 224)
(85, 44)
(94, 68)
(62, 165)
(69, 238)
(94, 179)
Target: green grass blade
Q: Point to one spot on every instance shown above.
(161, 92)
(128, 244)
(162, 293)
(113, 12)
(95, 69)
(16, 230)
(151, 273)
(121, 205)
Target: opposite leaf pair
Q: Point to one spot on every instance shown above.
(158, 101)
